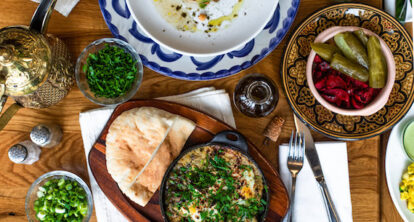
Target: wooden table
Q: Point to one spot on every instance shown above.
(370, 198)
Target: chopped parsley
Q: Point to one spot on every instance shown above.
(203, 3)
(110, 72)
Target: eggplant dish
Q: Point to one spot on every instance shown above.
(214, 183)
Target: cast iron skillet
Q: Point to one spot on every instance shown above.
(225, 140)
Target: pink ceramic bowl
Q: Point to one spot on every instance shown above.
(381, 98)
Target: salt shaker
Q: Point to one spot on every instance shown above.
(46, 135)
(25, 152)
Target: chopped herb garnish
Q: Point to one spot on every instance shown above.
(213, 189)
(110, 72)
(203, 3)
(61, 200)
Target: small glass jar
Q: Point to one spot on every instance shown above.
(46, 135)
(25, 152)
(256, 95)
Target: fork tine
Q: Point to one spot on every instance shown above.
(290, 154)
(297, 146)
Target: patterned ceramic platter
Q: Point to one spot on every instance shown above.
(314, 114)
(122, 25)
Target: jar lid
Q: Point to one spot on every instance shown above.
(17, 153)
(25, 58)
(40, 135)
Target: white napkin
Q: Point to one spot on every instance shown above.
(209, 100)
(309, 205)
(64, 7)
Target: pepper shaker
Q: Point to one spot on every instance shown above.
(25, 152)
(46, 135)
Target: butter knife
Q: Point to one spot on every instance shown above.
(313, 159)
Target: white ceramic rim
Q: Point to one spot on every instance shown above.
(392, 152)
(187, 53)
(381, 98)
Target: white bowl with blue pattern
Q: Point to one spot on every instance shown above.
(169, 63)
(252, 18)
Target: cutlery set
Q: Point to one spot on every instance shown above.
(300, 143)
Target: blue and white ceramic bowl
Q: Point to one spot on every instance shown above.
(122, 25)
(252, 18)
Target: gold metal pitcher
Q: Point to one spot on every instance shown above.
(35, 69)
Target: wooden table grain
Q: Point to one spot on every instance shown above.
(370, 198)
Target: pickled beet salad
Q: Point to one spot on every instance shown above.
(339, 89)
(351, 72)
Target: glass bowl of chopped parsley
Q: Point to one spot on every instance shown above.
(109, 71)
(59, 196)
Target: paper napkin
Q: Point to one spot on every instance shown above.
(309, 205)
(209, 100)
(64, 7)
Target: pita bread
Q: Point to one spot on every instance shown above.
(131, 140)
(136, 193)
(140, 145)
(171, 147)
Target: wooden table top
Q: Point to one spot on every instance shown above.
(370, 198)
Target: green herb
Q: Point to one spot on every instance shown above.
(246, 167)
(110, 72)
(203, 3)
(61, 200)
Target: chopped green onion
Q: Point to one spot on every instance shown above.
(61, 200)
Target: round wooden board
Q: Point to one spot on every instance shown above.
(206, 128)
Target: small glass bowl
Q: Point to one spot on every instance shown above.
(32, 193)
(409, 123)
(81, 79)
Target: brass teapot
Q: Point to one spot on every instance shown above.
(35, 69)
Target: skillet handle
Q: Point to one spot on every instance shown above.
(225, 137)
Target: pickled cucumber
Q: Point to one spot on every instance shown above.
(361, 36)
(377, 64)
(350, 68)
(352, 48)
(326, 51)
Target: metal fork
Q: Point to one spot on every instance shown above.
(295, 163)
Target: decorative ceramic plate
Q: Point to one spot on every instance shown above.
(396, 163)
(122, 25)
(314, 114)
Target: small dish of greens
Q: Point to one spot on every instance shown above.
(59, 196)
(109, 71)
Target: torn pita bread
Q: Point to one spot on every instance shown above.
(140, 145)
(131, 140)
(152, 175)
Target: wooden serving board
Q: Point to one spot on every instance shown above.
(207, 126)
